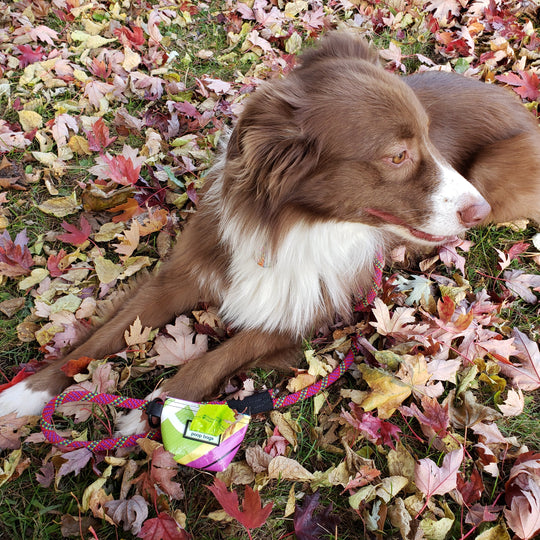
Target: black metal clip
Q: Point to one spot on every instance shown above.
(153, 410)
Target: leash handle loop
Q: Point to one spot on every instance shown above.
(53, 437)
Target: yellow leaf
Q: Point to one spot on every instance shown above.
(291, 503)
(60, 206)
(94, 491)
(30, 120)
(294, 43)
(390, 487)
(318, 365)
(79, 145)
(106, 270)
(46, 158)
(93, 28)
(133, 264)
(89, 41)
(387, 394)
(37, 276)
(413, 371)
(436, 529)
(9, 465)
(108, 231)
(47, 332)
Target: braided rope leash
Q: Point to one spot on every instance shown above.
(103, 445)
(260, 402)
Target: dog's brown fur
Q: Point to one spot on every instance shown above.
(316, 148)
(486, 134)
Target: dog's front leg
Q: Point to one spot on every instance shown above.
(201, 377)
(155, 301)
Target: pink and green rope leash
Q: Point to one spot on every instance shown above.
(260, 402)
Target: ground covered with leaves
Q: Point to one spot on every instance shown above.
(111, 112)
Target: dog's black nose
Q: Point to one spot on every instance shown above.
(475, 213)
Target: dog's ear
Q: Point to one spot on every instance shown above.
(268, 149)
(340, 45)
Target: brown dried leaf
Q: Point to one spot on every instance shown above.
(288, 469)
(11, 430)
(11, 306)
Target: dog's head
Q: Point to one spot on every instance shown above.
(342, 139)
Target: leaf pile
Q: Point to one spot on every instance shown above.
(111, 114)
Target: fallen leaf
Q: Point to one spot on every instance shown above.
(136, 335)
(252, 515)
(391, 324)
(106, 270)
(30, 120)
(313, 521)
(432, 480)
(76, 365)
(182, 345)
(12, 428)
(131, 512)
(76, 236)
(60, 206)
(129, 241)
(287, 469)
(15, 257)
(523, 516)
(514, 403)
(162, 527)
(387, 391)
(525, 375)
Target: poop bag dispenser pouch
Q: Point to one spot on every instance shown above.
(200, 435)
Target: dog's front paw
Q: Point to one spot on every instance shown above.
(23, 400)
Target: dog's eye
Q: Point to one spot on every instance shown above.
(399, 158)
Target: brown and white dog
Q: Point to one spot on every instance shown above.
(326, 167)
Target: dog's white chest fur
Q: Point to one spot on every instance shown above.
(287, 293)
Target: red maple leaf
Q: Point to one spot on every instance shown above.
(15, 257)
(122, 170)
(100, 68)
(527, 84)
(479, 514)
(373, 428)
(29, 56)
(471, 490)
(434, 420)
(53, 264)
(134, 35)
(252, 515)
(98, 136)
(74, 235)
(163, 527)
